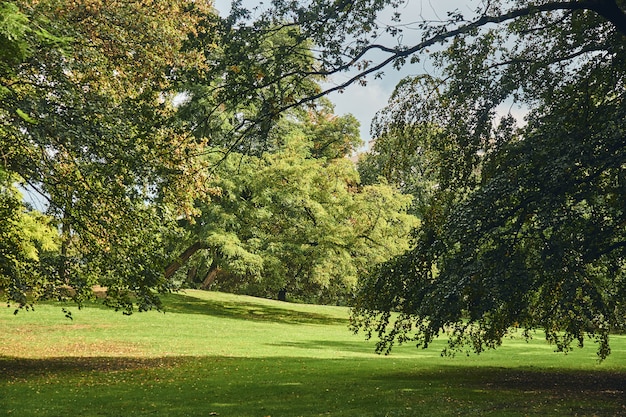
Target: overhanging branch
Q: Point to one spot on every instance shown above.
(606, 8)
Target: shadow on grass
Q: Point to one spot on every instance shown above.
(225, 386)
(532, 381)
(353, 347)
(12, 368)
(180, 303)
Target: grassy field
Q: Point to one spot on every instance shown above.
(218, 354)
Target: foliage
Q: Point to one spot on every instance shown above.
(13, 46)
(289, 221)
(282, 208)
(88, 125)
(25, 236)
(407, 157)
(94, 123)
(245, 82)
(332, 136)
(523, 223)
(525, 227)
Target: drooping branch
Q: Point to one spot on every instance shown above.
(599, 6)
(608, 9)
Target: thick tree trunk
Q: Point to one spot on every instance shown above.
(184, 257)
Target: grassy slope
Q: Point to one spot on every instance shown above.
(242, 356)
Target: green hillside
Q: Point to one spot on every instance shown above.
(220, 354)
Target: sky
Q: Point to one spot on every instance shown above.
(365, 101)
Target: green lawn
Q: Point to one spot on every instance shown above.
(226, 355)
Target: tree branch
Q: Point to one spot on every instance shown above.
(180, 261)
(610, 11)
(606, 8)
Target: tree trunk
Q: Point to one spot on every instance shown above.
(184, 257)
(191, 274)
(210, 276)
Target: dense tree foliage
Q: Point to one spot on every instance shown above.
(526, 226)
(283, 211)
(245, 82)
(134, 122)
(26, 236)
(293, 221)
(87, 125)
(523, 221)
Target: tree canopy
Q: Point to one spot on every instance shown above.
(523, 220)
(88, 126)
(142, 125)
(526, 227)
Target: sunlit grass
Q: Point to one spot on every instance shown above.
(242, 356)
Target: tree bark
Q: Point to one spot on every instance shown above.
(210, 276)
(191, 274)
(184, 257)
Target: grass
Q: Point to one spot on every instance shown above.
(226, 355)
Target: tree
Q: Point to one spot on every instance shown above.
(90, 126)
(288, 221)
(25, 235)
(279, 215)
(404, 156)
(245, 84)
(525, 226)
(528, 233)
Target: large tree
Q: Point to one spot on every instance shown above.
(87, 124)
(25, 235)
(293, 220)
(525, 223)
